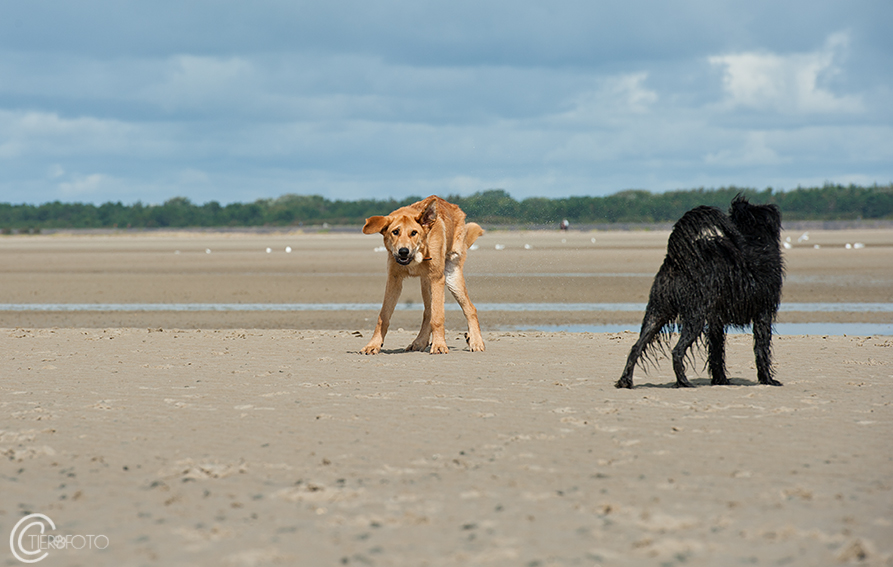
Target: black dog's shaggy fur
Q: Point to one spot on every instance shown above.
(719, 271)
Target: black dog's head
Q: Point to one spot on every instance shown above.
(757, 223)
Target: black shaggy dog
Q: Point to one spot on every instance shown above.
(719, 271)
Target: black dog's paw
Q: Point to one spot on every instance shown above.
(771, 382)
(624, 383)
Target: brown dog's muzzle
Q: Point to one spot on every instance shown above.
(403, 256)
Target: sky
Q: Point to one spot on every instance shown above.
(234, 101)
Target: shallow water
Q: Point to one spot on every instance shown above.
(411, 306)
(838, 329)
(780, 328)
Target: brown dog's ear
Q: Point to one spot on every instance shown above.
(375, 224)
(429, 215)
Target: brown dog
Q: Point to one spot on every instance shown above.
(429, 240)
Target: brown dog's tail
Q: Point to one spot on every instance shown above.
(473, 231)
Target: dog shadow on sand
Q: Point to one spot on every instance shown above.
(698, 383)
(402, 350)
(394, 350)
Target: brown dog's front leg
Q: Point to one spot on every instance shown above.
(438, 339)
(391, 295)
(423, 339)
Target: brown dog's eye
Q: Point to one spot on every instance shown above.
(413, 233)
(396, 232)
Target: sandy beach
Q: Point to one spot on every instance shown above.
(556, 267)
(263, 438)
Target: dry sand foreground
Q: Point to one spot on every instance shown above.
(185, 440)
(287, 447)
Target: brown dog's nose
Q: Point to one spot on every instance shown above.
(403, 252)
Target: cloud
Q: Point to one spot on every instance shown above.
(81, 186)
(787, 83)
(194, 83)
(232, 102)
(29, 133)
(437, 33)
(614, 95)
(753, 150)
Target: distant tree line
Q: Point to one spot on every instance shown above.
(830, 202)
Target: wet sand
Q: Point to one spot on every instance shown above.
(265, 439)
(344, 268)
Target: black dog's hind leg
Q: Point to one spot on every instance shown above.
(762, 348)
(689, 333)
(716, 353)
(651, 326)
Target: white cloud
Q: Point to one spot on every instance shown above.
(753, 150)
(32, 133)
(613, 96)
(629, 89)
(86, 185)
(190, 82)
(191, 177)
(55, 171)
(787, 83)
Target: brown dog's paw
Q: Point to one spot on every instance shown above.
(439, 349)
(371, 349)
(476, 344)
(417, 345)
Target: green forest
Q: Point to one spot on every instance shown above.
(495, 206)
